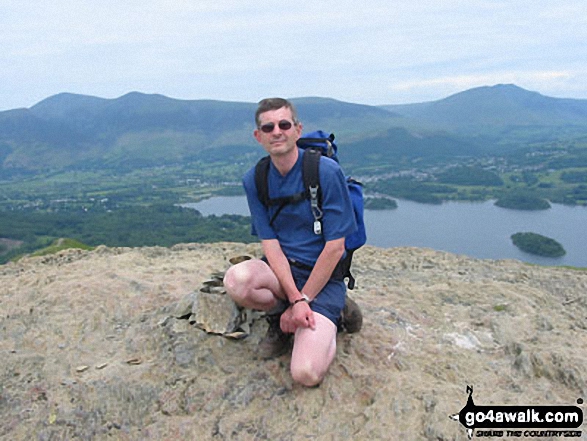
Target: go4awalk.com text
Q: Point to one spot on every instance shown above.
(552, 421)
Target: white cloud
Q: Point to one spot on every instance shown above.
(373, 51)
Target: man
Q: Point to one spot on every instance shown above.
(294, 283)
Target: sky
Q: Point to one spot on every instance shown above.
(369, 52)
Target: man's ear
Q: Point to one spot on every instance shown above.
(299, 128)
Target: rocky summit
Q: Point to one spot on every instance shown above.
(143, 344)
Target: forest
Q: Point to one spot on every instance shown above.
(522, 201)
(159, 224)
(537, 244)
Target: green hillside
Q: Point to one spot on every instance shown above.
(504, 114)
(399, 145)
(77, 133)
(138, 130)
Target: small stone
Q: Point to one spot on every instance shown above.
(218, 275)
(213, 282)
(213, 289)
(134, 361)
(164, 321)
(239, 259)
(82, 368)
(236, 335)
(101, 366)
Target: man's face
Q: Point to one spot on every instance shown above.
(276, 140)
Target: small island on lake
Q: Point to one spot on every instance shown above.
(522, 202)
(537, 244)
(376, 203)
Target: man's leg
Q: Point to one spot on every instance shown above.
(313, 351)
(252, 284)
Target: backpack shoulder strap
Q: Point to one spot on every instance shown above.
(262, 184)
(261, 173)
(311, 178)
(311, 168)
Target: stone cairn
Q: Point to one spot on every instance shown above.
(211, 309)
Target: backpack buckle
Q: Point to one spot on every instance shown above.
(317, 227)
(329, 149)
(316, 211)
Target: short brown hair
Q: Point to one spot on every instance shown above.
(268, 104)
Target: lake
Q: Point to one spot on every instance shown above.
(476, 229)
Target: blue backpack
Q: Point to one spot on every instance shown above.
(316, 144)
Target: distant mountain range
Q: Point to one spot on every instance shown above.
(497, 111)
(136, 130)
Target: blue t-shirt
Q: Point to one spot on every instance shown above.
(294, 226)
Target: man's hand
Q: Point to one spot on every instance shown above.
(296, 316)
(286, 322)
(303, 316)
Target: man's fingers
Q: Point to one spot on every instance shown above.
(311, 320)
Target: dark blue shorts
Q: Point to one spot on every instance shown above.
(330, 301)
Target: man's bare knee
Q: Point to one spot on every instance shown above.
(230, 279)
(236, 281)
(313, 352)
(250, 284)
(307, 375)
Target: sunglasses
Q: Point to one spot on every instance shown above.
(284, 124)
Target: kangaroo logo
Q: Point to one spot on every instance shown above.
(460, 417)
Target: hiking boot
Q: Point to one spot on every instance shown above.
(351, 318)
(276, 342)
